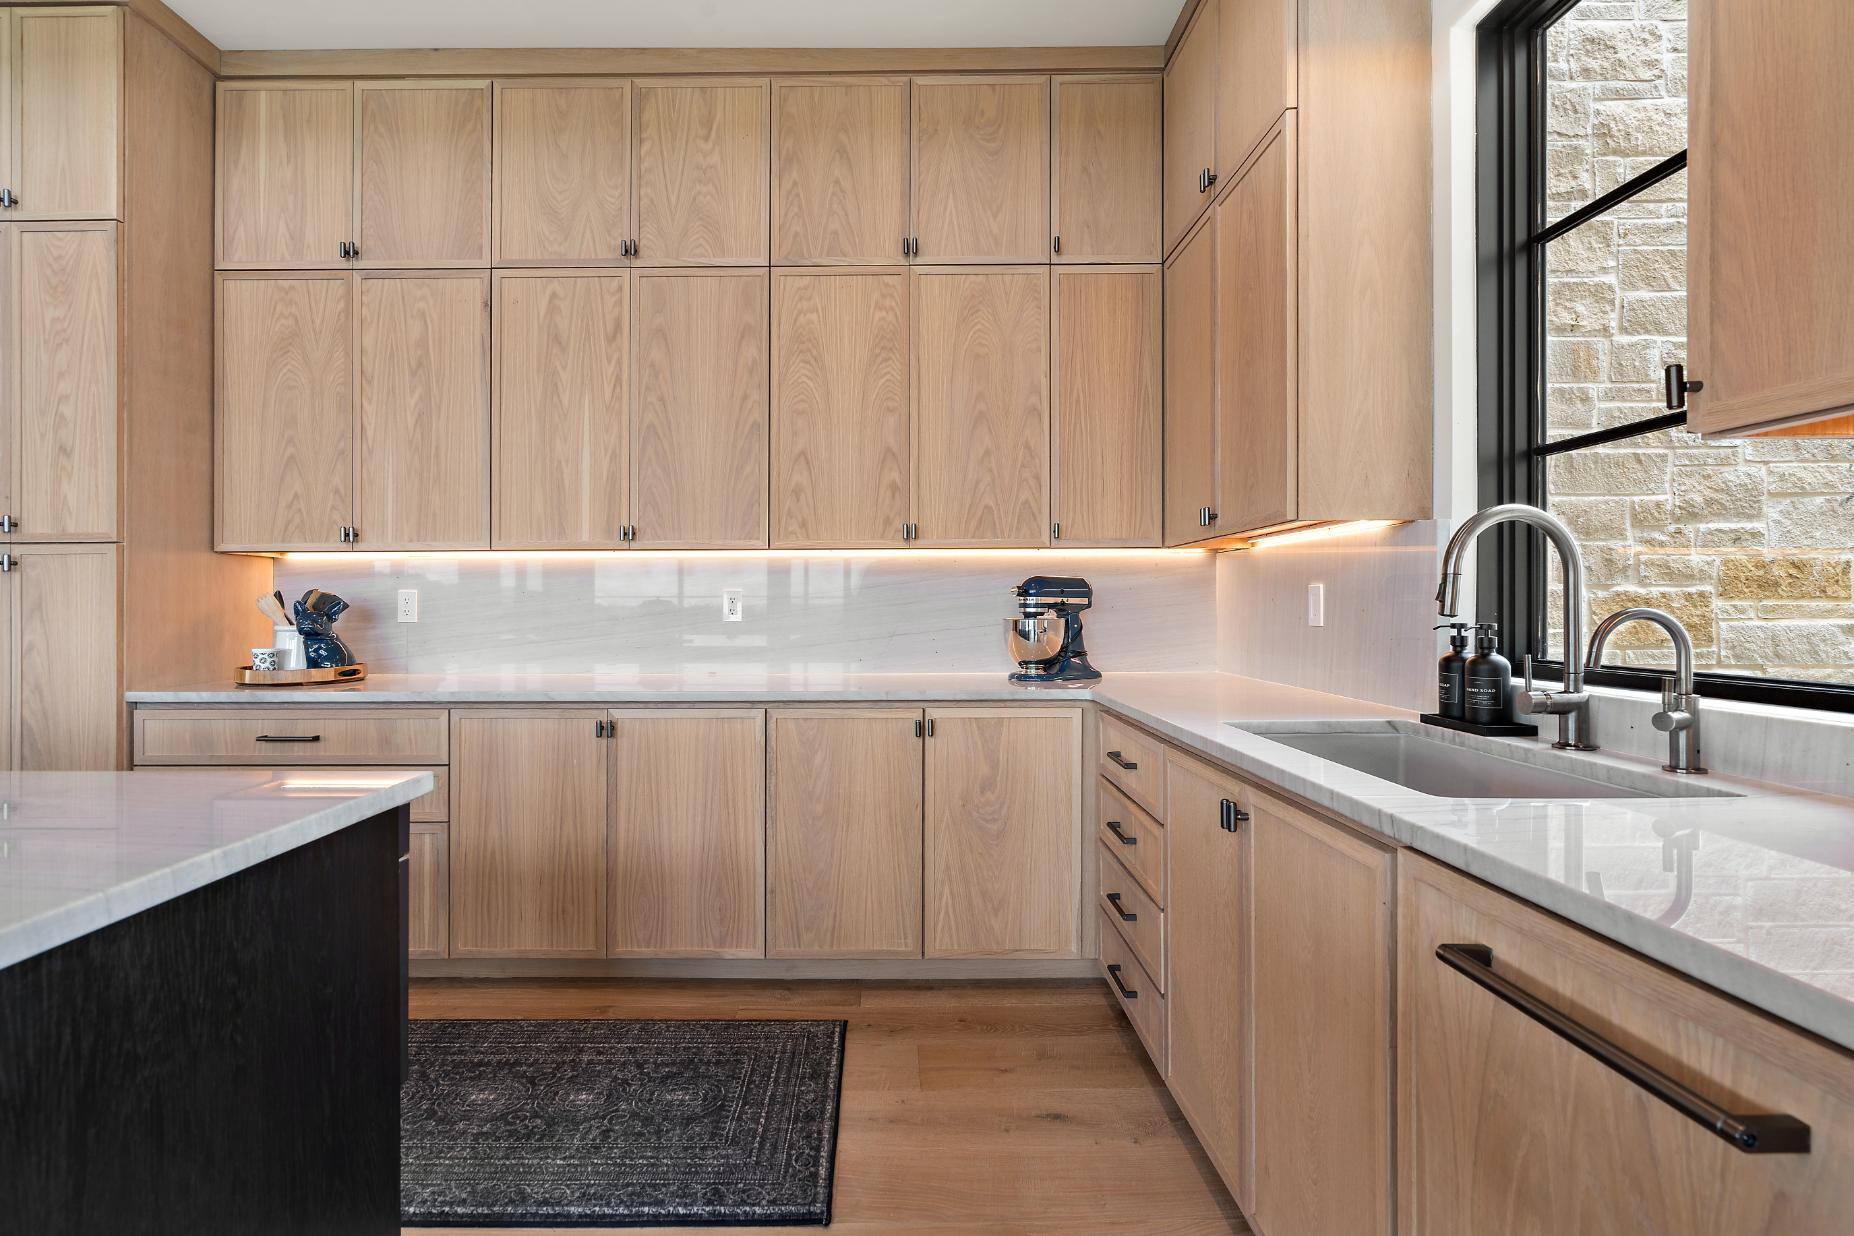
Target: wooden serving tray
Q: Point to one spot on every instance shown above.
(245, 676)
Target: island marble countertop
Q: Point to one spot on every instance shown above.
(79, 851)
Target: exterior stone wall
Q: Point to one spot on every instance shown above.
(1750, 544)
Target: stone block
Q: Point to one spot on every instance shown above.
(1569, 172)
(1718, 495)
(1575, 360)
(1635, 360)
(1767, 642)
(1654, 313)
(1652, 270)
(1652, 232)
(1589, 250)
(1731, 536)
(1594, 519)
(1688, 570)
(1811, 478)
(1692, 606)
(1811, 523)
(1608, 473)
(1567, 112)
(1771, 578)
(1614, 51)
(1639, 127)
(1584, 307)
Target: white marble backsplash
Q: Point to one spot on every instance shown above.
(823, 613)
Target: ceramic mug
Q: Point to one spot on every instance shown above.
(264, 658)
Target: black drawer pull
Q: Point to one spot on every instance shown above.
(1113, 899)
(1230, 816)
(289, 738)
(1113, 826)
(1113, 972)
(1751, 1134)
(1127, 764)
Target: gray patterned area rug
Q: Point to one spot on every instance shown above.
(619, 1123)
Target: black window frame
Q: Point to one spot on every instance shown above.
(1512, 231)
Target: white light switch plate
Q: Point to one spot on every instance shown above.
(408, 605)
(732, 607)
(1316, 605)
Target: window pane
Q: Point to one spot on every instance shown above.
(1615, 95)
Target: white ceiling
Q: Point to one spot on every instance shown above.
(245, 25)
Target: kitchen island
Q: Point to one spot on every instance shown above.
(202, 1000)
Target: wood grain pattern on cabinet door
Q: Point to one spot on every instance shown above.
(1107, 175)
(422, 180)
(1003, 833)
(429, 884)
(65, 369)
(1505, 1127)
(284, 192)
(69, 677)
(528, 795)
(67, 103)
(688, 833)
(1322, 948)
(422, 413)
(1208, 927)
(980, 169)
(702, 171)
(980, 378)
(1190, 124)
(285, 410)
(1258, 70)
(843, 837)
(840, 421)
(561, 448)
(1191, 345)
(1257, 394)
(1107, 435)
(562, 172)
(839, 169)
(9, 661)
(699, 433)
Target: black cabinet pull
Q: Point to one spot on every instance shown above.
(1751, 1134)
(1113, 826)
(289, 738)
(1127, 764)
(1113, 899)
(1113, 973)
(1229, 815)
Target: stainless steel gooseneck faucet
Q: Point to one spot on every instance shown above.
(1679, 715)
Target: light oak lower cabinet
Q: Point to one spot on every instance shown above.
(843, 843)
(1003, 835)
(428, 903)
(62, 705)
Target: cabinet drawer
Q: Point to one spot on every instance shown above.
(1139, 996)
(1132, 836)
(289, 738)
(1135, 763)
(1135, 914)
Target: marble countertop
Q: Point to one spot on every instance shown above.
(79, 851)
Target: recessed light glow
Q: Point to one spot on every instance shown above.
(1321, 532)
(621, 555)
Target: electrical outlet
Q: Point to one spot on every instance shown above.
(408, 605)
(1316, 605)
(732, 607)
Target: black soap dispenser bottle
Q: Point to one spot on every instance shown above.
(1451, 675)
(1487, 678)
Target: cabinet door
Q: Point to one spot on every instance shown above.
(66, 328)
(561, 452)
(1107, 438)
(1190, 124)
(528, 833)
(701, 172)
(840, 407)
(1107, 169)
(981, 406)
(688, 833)
(423, 192)
(67, 104)
(422, 416)
(840, 170)
(428, 908)
(285, 423)
(1207, 927)
(1772, 163)
(981, 169)
(1257, 392)
(562, 172)
(69, 677)
(843, 843)
(699, 415)
(1191, 346)
(1257, 74)
(1322, 1008)
(1003, 832)
(285, 183)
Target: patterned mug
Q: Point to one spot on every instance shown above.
(263, 658)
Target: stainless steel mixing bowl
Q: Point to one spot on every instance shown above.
(1034, 639)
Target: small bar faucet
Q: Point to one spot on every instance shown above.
(1572, 705)
(1679, 715)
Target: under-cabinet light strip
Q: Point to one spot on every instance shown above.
(621, 555)
(1321, 532)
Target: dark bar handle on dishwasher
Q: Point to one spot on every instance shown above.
(289, 738)
(1113, 972)
(1751, 1134)
(1113, 826)
(1127, 764)
(1114, 900)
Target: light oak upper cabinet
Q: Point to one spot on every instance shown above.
(688, 833)
(701, 161)
(1107, 170)
(840, 420)
(528, 824)
(981, 169)
(1191, 124)
(1003, 835)
(1771, 163)
(699, 409)
(285, 415)
(981, 406)
(561, 443)
(843, 844)
(423, 157)
(61, 667)
(1191, 344)
(61, 78)
(562, 172)
(422, 411)
(840, 170)
(284, 192)
(1257, 74)
(1107, 437)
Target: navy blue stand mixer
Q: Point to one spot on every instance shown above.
(1046, 636)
